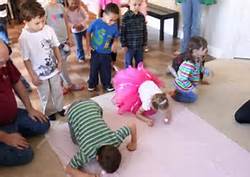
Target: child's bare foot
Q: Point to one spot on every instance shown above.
(150, 122)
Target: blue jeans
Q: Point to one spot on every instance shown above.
(185, 97)
(4, 33)
(11, 156)
(79, 45)
(100, 63)
(133, 53)
(191, 12)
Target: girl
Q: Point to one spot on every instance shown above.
(77, 17)
(137, 91)
(189, 72)
(56, 19)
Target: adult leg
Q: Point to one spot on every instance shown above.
(196, 18)
(79, 45)
(242, 115)
(138, 56)
(105, 71)
(11, 156)
(128, 57)
(29, 127)
(187, 22)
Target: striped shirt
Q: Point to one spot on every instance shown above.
(133, 30)
(188, 76)
(91, 132)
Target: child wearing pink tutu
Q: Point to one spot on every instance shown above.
(137, 91)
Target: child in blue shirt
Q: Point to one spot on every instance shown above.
(102, 39)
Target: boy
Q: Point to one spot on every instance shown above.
(100, 35)
(133, 33)
(39, 47)
(95, 139)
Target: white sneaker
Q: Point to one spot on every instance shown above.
(172, 71)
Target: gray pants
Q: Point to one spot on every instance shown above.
(51, 95)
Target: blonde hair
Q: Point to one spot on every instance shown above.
(160, 101)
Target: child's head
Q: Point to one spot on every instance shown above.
(33, 15)
(109, 158)
(160, 101)
(73, 4)
(197, 47)
(111, 13)
(4, 54)
(134, 5)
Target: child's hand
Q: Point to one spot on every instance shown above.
(131, 146)
(35, 80)
(88, 50)
(79, 27)
(150, 122)
(114, 47)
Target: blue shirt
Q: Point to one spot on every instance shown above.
(102, 35)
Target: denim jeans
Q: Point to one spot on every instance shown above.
(11, 156)
(133, 53)
(185, 97)
(79, 45)
(191, 12)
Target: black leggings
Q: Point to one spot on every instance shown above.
(242, 115)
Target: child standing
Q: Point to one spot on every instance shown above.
(133, 33)
(77, 18)
(100, 35)
(39, 48)
(95, 139)
(55, 19)
(189, 72)
(142, 89)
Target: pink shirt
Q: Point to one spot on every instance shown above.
(103, 3)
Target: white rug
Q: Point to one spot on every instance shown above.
(188, 147)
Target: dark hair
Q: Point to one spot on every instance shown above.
(160, 101)
(30, 10)
(109, 158)
(196, 42)
(112, 8)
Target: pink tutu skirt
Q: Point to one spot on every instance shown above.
(127, 83)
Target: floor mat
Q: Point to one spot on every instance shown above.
(188, 146)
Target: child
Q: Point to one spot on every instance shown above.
(39, 47)
(137, 91)
(99, 35)
(188, 75)
(133, 33)
(77, 18)
(55, 19)
(3, 21)
(102, 5)
(95, 139)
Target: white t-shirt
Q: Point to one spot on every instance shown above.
(38, 48)
(146, 91)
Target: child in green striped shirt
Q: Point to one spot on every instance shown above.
(95, 139)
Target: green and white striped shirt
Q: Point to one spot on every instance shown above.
(91, 132)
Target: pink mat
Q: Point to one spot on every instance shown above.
(187, 147)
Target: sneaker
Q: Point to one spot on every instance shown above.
(172, 71)
(52, 117)
(61, 113)
(81, 61)
(91, 89)
(110, 89)
(146, 49)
